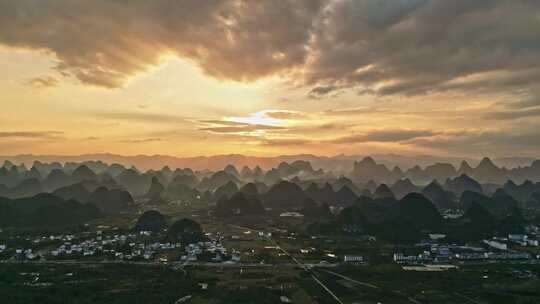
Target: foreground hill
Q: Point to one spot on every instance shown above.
(44, 210)
(399, 221)
(112, 201)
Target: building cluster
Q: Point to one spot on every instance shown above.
(28, 254)
(60, 237)
(212, 249)
(353, 259)
(127, 246)
(118, 246)
(503, 243)
(424, 258)
(523, 240)
(142, 246)
(496, 249)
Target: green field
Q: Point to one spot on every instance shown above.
(123, 283)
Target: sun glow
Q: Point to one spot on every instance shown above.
(258, 118)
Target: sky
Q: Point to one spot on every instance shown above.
(325, 77)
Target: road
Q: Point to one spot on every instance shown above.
(469, 299)
(351, 279)
(412, 300)
(301, 265)
(181, 264)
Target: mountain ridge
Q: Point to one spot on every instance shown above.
(339, 162)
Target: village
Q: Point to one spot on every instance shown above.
(144, 246)
(514, 247)
(229, 252)
(251, 247)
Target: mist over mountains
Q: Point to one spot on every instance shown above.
(337, 163)
(365, 174)
(366, 195)
(441, 182)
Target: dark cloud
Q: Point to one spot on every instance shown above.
(397, 135)
(513, 114)
(522, 100)
(104, 42)
(382, 47)
(522, 143)
(528, 102)
(321, 91)
(413, 47)
(499, 81)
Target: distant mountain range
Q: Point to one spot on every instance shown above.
(486, 172)
(412, 198)
(338, 163)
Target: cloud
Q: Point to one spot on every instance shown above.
(415, 47)
(141, 141)
(104, 43)
(92, 138)
(495, 81)
(284, 114)
(322, 91)
(236, 127)
(397, 135)
(354, 111)
(43, 81)
(527, 102)
(519, 142)
(31, 134)
(222, 122)
(285, 142)
(240, 128)
(142, 117)
(384, 47)
(513, 114)
(321, 129)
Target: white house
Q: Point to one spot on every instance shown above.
(353, 259)
(496, 245)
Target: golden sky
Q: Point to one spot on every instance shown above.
(189, 78)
